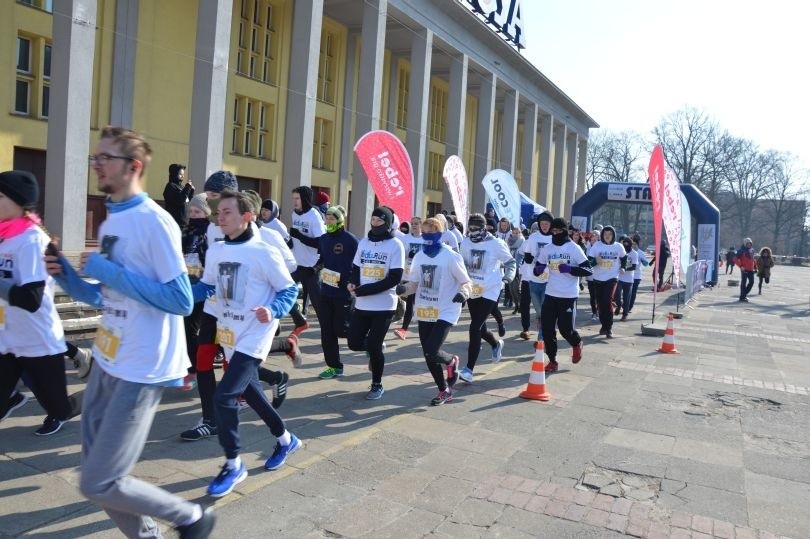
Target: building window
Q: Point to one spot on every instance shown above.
(403, 83)
(260, 60)
(33, 74)
(438, 114)
(322, 147)
(326, 67)
(23, 55)
(22, 98)
(434, 208)
(252, 129)
(44, 5)
(435, 178)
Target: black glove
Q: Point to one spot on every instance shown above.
(459, 298)
(528, 258)
(295, 233)
(400, 289)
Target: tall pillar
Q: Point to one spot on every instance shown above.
(570, 173)
(510, 117)
(582, 168)
(544, 177)
(207, 136)
(529, 181)
(123, 67)
(483, 141)
(369, 97)
(347, 134)
(558, 182)
(74, 39)
(456, 116)
(393, 94)
(418, 100)
(301, 98)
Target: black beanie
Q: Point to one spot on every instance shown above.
(270, 204)
(221, 180)
(385, 214)
(545, 216)
(560, 223)
(476, 219)
(306, 195)
(21, 187)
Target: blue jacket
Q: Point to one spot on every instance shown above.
(337, 252)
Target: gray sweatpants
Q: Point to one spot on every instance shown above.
(116, 419)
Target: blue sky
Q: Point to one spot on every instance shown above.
(628, 63)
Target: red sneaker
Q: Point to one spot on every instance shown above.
(402, 333)
(300, 329)
(294, 353)
(577, 352)
(552, 366)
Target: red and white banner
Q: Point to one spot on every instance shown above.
(455, 176)
(672, 221)
(656, 173)
(388, 168)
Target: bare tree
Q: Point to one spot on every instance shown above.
(684, 136)
(750, 178)
(785, 209)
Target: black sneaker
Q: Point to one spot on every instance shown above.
(49, 426)
(501, 330)
(200, 529)
(280, 391)
(442, 397)
(17, 400)
(204, 429)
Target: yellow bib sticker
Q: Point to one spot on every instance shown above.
(554, 265)
(329, 277)
(477, 290)
(607, 264)
(427, 314)
(375, 273)
(107, 343)
(193, 265)
(3, 306)
(225, 337)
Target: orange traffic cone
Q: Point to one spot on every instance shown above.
(536, 388)
(668, 346)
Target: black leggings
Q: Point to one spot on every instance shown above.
(558, 313)
(766, 279)
(308, 278)
(48, 382)
(496, 314)
(594, 296)
(191, 323)
(408, 316)
(333, 315)
(367, 331)
(525, 305)
(623, 298)
(480, 309)
(432, 336)
(604, 292)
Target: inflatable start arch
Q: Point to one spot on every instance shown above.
(703, 212)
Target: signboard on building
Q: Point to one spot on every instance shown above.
(503, 15)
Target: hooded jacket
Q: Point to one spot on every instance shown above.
(305, 192)
(176, 197)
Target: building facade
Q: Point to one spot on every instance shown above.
(278, 92)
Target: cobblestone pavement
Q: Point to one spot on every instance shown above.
(711, 442)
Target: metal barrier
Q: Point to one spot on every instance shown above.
(695, 278)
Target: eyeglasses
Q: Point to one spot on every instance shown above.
(473, 229)
(104, 158)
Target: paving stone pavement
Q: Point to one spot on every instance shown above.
(711, 442)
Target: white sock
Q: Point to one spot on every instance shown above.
(195, 516)
(234, 464)
(285, 439)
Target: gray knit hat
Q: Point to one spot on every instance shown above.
(221, 180)
(200, 202)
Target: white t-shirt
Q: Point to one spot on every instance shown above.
(457, 234)
(641, 258)
(484, 261)
(533, 245)
(607, 260)
(450, 239)
(310, 224)
(274, 238)
(375, 259)
(22, 333)
(627, 276)
(213, 234)
(135, 341)
(440, 278)
(246, 275)
(562, 285)
(413, 245)
(279, 227)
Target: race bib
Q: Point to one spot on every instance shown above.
(107, 343)
(605, 263)
(3, 306)
(554, 265)
(193, 265)
(427, 314)
(329, 277)
(225, 337)
(477, 290)
(374, 273)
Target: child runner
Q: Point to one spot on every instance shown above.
(441, 284)
(606, 256)
(566, 264)
(535, 284)
(490, 265)
(642, 261)
(627, 274)
(764, 265)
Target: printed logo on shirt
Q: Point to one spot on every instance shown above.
(7, 266)
(414, 248)
(555, 259)
(302, 225)
(337, 249)
(231, 284)
(107, 245)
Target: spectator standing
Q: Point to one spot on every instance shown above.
(176, 196)
(746, 261)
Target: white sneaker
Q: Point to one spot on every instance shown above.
(595, 318)
(497, 350)
(466, 375)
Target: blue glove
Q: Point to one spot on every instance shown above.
(564, 268)
(539, 269)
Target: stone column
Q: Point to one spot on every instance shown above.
(582, 168)
(483, 141)
(393, 94)
(369, 97)
(529, 182)
(544, 177)
(570, 174)
(510, 116)
(208, 101)
(302, 96)
(347, 133)
(456, 116)
(418, 101)
(558, 183)
(123, 68)
(74, 39)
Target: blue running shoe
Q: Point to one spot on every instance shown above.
(280, 454)
(227, 479)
